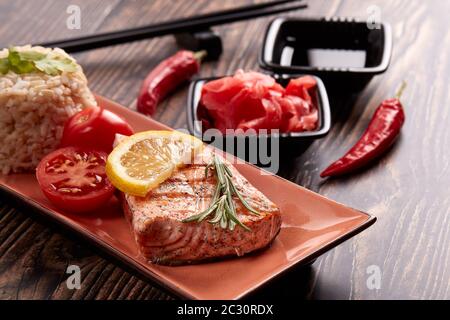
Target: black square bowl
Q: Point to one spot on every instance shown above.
(289, 143)
(344, 53)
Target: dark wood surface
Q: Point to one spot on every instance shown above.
(407, 190)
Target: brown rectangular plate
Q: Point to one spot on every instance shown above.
(311, 225)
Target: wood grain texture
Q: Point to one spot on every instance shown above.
(407, 190)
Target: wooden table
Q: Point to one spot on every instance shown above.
(407, 190)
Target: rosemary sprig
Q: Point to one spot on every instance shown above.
(222, 205)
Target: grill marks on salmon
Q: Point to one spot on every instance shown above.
(162, 237)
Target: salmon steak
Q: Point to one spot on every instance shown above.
(157, 219)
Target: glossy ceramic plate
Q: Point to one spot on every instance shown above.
(312, 225)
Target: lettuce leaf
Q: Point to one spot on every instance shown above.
(4, 65)
(32, 61)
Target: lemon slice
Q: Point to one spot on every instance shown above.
(142, 161)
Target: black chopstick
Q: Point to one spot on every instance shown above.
(246, 8)
(173, 27)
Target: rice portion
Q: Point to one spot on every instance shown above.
(33, 110)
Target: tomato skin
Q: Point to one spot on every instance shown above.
(89, 198)
(94, 128)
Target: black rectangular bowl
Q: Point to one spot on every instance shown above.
(292, 143)
(344, 53)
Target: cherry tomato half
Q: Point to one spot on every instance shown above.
(74, 179)
(94, 128)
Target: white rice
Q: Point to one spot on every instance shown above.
(33, 110)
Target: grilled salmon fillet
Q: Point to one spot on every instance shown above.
(162, 237)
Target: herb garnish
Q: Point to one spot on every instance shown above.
(32, 61)
(222, 202)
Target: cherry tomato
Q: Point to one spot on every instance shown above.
(74, 179)
(94, 128)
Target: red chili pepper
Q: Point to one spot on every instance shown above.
(381, 133)
(166, 77)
